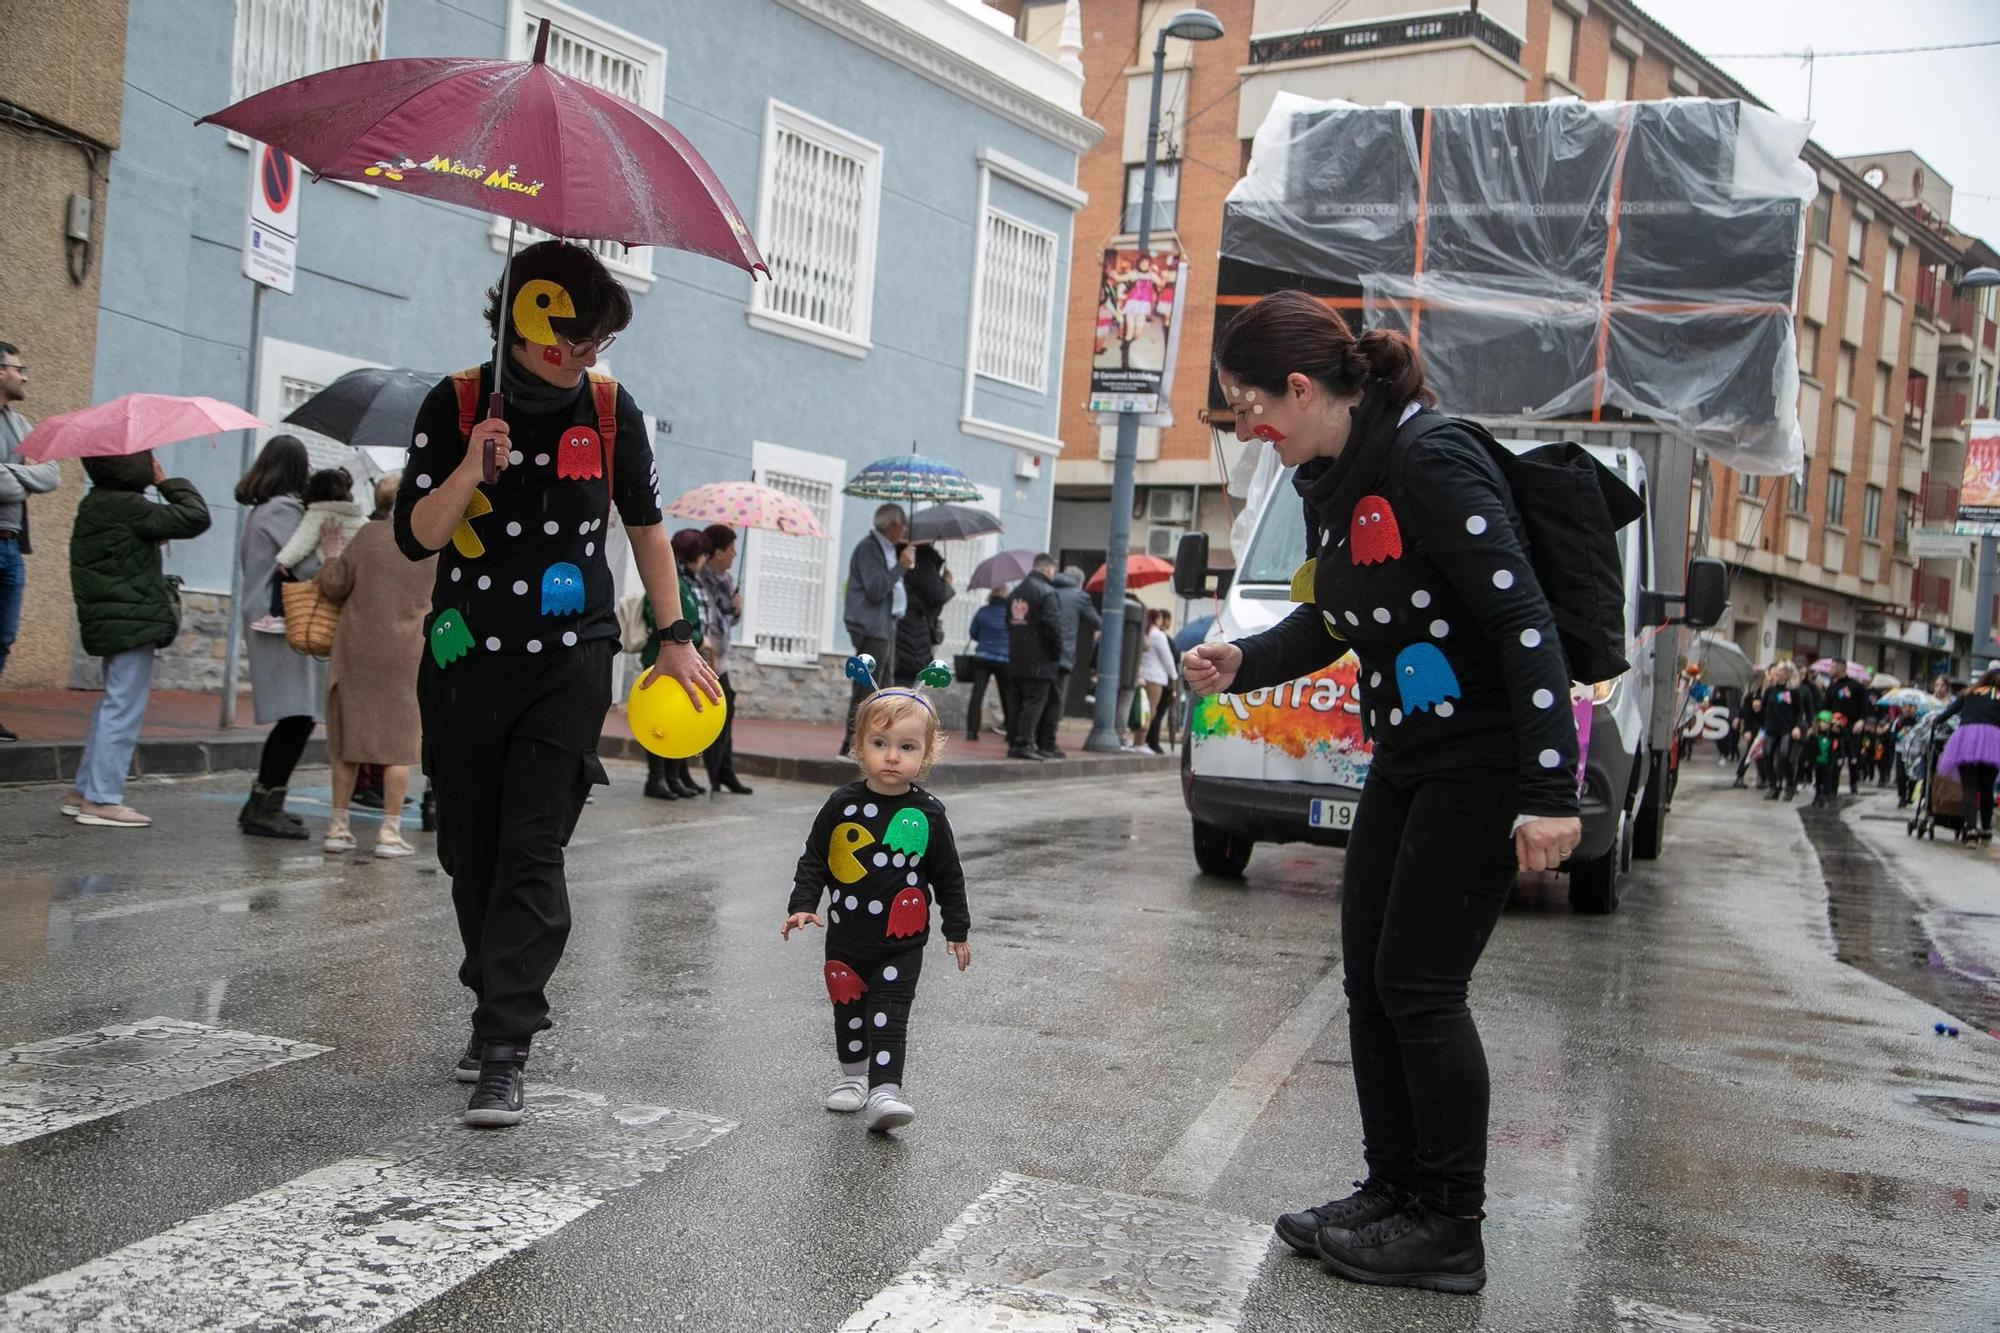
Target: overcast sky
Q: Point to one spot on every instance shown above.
(1944, 105)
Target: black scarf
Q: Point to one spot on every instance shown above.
(1331, 487)
(533, 394)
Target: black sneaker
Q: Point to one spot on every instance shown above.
(498, 1100)
(1052, 752)
(1371, 1201)
(467, 1069)
(1021, 752)
(1414, 1247)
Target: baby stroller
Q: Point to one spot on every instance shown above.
(1938, 799)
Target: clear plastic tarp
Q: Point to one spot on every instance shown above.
(1553, 259)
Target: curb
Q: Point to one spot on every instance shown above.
(56, 761)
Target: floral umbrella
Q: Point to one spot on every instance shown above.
(911, 478)
(746, 504)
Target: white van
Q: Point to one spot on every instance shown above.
(1286, 764)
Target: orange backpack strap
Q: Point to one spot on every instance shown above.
(604, 396)
(466, 382)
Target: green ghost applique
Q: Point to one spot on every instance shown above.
(908, 832)
(450, 638)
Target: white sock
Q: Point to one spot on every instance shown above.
(885, 1090)
(858, 1069)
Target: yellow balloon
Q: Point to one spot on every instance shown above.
(535, 305)
(663, 719)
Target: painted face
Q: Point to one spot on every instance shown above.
(843, 984)
(1424, 679)
(1373, 536)
(843, 851)
(909, 915)
(579, 454)
(908, 832)
(451, 639)
(1268, 434)
(562, 590)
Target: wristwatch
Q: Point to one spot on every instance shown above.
(681, 631)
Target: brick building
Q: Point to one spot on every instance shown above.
(1876, 312)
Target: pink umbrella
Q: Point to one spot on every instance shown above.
(132, 424)
(746, 504)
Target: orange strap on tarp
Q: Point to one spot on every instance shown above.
(1423, 219)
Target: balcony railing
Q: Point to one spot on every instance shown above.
(1986, 334)
(1927, 292)
(1964, 315)
(1937, 501)
(1952, 410)
(1931, 594)
(1350, 38)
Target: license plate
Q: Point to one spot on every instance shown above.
(1332, 814)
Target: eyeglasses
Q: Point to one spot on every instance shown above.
(590, 345)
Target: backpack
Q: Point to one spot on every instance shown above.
(603, 397)
(1571, 508)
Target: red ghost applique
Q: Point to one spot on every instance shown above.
(843, 984)
(910, 914)
(1373, 536)
(578, 455)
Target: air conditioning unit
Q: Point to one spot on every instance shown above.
(1163, 542)
(1169, 506)
(1961, 369)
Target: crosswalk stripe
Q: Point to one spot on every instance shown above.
(50, 1085)
(1038, 1256)
(352, 1246)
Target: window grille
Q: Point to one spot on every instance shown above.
(1016, 299)
(281, 40)
(817, 207)
(787, 603)
(603, 57)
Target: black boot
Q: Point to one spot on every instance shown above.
(498, 1101)
(656, 780)
(264, 816)
(729, 782)
(683, 781)
(1416, 1247)
(427, 811)
(1371, 1201)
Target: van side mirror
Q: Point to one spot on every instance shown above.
(1191, 565)
(1707, 591)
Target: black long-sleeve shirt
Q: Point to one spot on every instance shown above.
(1461, 664)
(875, 853)
(1978, 706)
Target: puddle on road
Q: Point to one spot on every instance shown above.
(1878, 929)
(1965, 1110)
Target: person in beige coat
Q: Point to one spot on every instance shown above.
(371, 688)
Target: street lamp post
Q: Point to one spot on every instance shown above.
(1192, 25)
(1989, 546)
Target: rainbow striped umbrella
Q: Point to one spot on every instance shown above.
(911, 478)
(747, 504)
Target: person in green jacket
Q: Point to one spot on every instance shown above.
(126, 611)
(671, 779)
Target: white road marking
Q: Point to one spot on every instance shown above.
(1191, 1166)
(357, 1244)
(64, 1081)
(1040, 1256)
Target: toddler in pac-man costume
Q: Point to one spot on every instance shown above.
(883, 849)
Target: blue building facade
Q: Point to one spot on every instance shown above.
(909, 169)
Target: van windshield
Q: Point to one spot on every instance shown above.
(1279, 544)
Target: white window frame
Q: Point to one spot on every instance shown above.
(856, 342)
(239, 87)
(635, 265)
(831, 470)
(1052, 298)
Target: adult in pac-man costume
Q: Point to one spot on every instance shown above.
(516, 686)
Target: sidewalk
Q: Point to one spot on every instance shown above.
(182, 737)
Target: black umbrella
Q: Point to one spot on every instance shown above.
(373, 408)
(952, 523)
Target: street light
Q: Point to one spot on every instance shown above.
(1190, 25)
(1989, 547)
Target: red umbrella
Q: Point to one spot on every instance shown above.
(1140, 571)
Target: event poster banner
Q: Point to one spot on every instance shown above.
(1136, 308)
(1979, 489)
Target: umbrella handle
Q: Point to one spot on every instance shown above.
(489, 462)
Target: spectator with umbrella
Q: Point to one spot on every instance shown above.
(988, 662)
(1078, 611)
(1034, 653)
(725, 612)
(287, 689)
(927, 589)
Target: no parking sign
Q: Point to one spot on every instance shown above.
(271, 229)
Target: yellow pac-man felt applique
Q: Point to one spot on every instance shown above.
(1302, 581)
(463, 537)
(847, 840)
(535, 305)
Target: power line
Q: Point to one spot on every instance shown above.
(1840, 55)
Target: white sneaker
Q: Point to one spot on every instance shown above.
(339, 840)
(850, 1094)
(390, 847)
(268, 625)
(886, 1113)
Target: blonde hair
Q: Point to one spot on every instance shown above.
(884, 709)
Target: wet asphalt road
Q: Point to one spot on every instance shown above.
(1702, 1119)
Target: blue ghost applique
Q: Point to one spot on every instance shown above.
(1424, 678)
(562, 590)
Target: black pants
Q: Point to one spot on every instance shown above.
(719, 759)
(983, 670)
(1031, 699)
(1052, 711)
(1428, 869)
(1826, 780)
(510, 744)
(1977, 780)
(884, 653)
(283, 748)
(875, 1027)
